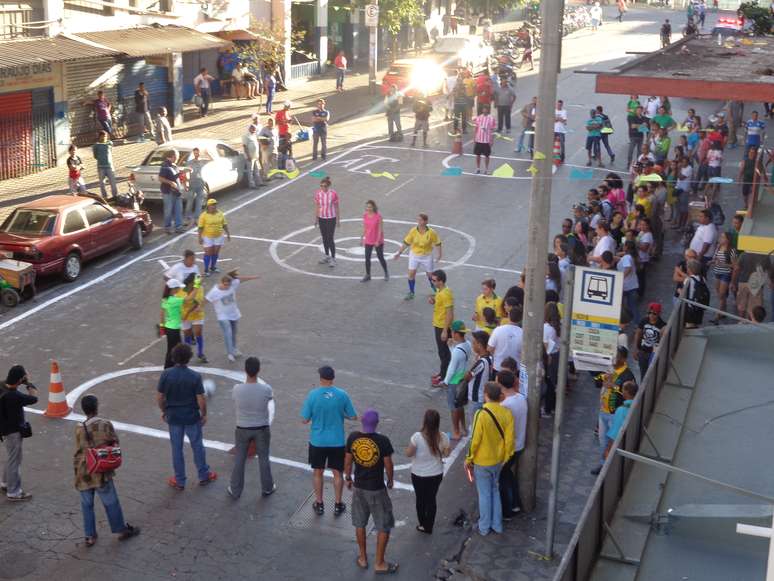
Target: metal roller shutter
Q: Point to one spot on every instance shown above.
(15, 135)
(44, 148)
(134, 72)
(82, 81)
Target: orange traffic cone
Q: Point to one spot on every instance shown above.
(557, 152)
(57, 401)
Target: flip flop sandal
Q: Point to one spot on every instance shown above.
(90, 541)
(357, 562)
(391, 569)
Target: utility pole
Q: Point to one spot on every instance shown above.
(372, 21)
(539, 213)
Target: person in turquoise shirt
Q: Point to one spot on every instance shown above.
(629, 390)
(594, 137)
(103, 154)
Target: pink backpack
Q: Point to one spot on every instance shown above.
(617, 197)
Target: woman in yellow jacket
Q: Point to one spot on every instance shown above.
(193, 314)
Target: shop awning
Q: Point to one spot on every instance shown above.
(697, 68)
(14, 53)
(155, 40)
(248, 35)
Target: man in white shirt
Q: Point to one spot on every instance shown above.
(604, 242)
(651, 107)
(252, 155)
(506, 340)
(516, 403)
(560, 125)
(181, 270)
(203, 89)
(705, 238)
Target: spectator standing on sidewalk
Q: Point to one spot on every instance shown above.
(515, 403)
(443, 315)
(75, 172)
(427, 449)
(180, 396)
(340, 62)
(266, 141)
(392, 104)
(196, 191)
(628, 392)
(483, 138)
(528, 113)
(705, 238)
(14, 428)
(505, 96)
(203, 88)
(171, 193)
(103, 154)
(321, 117)
(325, 408)
(491, 445)
(638, 128)
(647, 337)
(506, 340)
(560, 126)
(163, 128)
(253, 402)
(422, 109)
(142, 111)
(252, 155)
(454, 380)
(103, 112)
(270, 88)
(96, 432)
(371, 454)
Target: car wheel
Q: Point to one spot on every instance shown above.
(136, 239)
(72, 267)
(9, 297)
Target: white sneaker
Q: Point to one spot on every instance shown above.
(231, 358)
(324, 260)
(332, 262)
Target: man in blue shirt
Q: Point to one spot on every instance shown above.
(594, 137)
(184, 407)
(755, 131)
(169, 184)
(325, 408)
(629, 390)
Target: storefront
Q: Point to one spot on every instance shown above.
(153, 72)
(27, 123)
(82, 81)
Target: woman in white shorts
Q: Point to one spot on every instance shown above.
(193, 315)
(212, 226)
(422, 240)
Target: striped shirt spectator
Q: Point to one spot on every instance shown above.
(327, 202)
(485, 125)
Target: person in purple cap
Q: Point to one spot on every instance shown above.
(371, 454)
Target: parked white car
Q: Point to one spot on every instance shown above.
(226, 165)
(462, 50)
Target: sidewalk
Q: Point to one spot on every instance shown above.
(227, 121)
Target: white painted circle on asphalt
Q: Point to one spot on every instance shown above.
(447, 266)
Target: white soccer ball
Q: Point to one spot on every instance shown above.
(209, 387)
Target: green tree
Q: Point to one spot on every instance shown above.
(392, 13)
(759, 16)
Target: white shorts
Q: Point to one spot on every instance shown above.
(210, 242)
(423, 262)
(186, 325)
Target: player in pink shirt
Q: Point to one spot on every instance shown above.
(485, 125)
(326, 216)
(373, 237)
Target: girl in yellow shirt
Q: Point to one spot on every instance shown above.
(193, 314)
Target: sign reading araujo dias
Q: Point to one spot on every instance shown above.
(596, 313)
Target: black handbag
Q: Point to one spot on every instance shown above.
(25, 430)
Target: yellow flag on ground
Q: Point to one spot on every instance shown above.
(539, 155)
(504, 171)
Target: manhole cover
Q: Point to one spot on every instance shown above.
(14, 565)
(305, 517)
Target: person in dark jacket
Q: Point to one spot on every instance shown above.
(12, 428)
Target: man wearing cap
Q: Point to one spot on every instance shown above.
(371, 454)
(455, 376)
(12, 426)
(491, 445)
(610, 398)
(325, 408)
(212, 226)
(647, 337)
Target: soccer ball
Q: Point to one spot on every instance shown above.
(209, 387)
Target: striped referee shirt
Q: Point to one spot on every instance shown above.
(326, 203)
(481, 372)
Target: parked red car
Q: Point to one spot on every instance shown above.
(58, 233)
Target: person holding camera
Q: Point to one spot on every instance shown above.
(13, 428)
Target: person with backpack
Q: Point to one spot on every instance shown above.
(14, 428)
(606, 132)
(456, 387)
(480, 372)
(92, 434)
(696, 290)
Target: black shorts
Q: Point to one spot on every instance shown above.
(482, 149)
(332, 457)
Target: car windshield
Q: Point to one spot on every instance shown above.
(450, 45)
(396, 71)
(30, 222)
(156, 157)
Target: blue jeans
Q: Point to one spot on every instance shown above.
(605, 421)
(173, 205)
(269, 101)
(229, 329)
(109, 497)
(107, 125)
(206, 98)
(104, 173)
(530, 141)
(630, 298)
(194, 433)
(194, 201)
(339, 78)
(489, 506)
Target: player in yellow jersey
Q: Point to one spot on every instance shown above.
(422, 240)
(212, 226)
(193, 314)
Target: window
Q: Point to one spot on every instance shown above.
(90, 6)
(97, 213)
(73, 222)
(33, 222)
(157, 157)
(225, 151)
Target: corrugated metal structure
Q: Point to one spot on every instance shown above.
(156, 80)
(27, 140)
(14, 53)
(82, 81)
(155, 40)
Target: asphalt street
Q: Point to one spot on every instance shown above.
(296, 316)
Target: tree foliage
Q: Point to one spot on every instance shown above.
(392, 13)
(760, 17)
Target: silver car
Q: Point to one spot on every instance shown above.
(226, 165)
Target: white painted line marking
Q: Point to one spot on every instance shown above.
(297, 250)
(163, 264)
(141, 351)
(449, 462)
(399, 186)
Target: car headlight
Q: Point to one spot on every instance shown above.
(426, 76)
